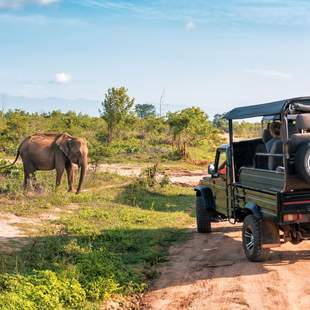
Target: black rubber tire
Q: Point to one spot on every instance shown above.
(302, 162)
(252, 231)
(202, 216)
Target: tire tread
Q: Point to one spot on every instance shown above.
(202, 216)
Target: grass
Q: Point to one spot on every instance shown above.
(109, 246)
(199, 156)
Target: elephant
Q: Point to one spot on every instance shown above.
(53, 151)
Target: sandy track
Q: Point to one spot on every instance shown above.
(210, 271)
(184, 177)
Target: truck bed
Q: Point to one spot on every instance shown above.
(261, 179)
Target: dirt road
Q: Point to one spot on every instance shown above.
(210, 271)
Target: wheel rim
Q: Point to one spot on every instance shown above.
(249, 240)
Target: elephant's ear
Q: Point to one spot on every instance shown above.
(63, 142)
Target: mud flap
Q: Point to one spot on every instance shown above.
(270, 234)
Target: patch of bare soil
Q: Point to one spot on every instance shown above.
(16, 231)
(183, 177)
(210, 271)
(10, 233)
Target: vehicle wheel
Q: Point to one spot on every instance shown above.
(302, 162)
(202, 216)
(252, 239)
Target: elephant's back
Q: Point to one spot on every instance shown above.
(39, 149)
(37, 141)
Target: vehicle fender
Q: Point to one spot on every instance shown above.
(206, 194)
(254, 209)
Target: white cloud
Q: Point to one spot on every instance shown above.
(190, 26)
(14, 4)
(271, 73)
(62, 78)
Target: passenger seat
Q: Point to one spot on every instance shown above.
(275, 161)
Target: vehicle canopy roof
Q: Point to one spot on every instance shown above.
(265, 109)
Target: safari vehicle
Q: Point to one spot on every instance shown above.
(268, 191)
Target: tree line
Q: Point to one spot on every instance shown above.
(122, 128)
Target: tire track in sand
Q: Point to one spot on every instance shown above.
(210, 271)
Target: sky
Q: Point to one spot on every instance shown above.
(213, 54)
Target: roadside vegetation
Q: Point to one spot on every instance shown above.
(107, 245)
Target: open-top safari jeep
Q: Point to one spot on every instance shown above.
(267, 190)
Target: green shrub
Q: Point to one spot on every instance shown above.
(40, 290)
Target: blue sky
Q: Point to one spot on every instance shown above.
(212, 54)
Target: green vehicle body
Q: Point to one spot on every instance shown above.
(276, 200)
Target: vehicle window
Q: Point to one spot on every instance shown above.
(221, 168)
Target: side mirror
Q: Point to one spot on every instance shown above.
(211, 169)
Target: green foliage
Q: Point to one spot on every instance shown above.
(220, 122)
(187, 134)
(115, 108)
(19, 124)
(145, 110)
(152, 176)
(190, 127)
(10, 177)
(40, 290)
(149, 139)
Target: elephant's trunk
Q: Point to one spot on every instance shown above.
(83, 169)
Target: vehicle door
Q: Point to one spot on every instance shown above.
(219, 180)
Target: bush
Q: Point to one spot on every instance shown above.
(7, 170)
(152, 176)
(10, 177)
(40, 290)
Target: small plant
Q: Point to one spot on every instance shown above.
(150, 175)
(165, 180)
(154, 175)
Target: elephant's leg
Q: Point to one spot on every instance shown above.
(59, 174)
(26, 179)
(60, 161)
(28, 170)
(70, 176)
(35, 183)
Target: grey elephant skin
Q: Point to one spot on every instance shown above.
(53, 151)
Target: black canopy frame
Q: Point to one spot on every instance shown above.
(280, 108)
(265, 109)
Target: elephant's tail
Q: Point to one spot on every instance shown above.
(15, 160)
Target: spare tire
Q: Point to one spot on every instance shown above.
(302, 162)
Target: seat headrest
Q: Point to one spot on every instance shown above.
(303, 121)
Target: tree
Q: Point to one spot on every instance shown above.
(189, 127)
(115, 108)
(145, 110)
(220, 122)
